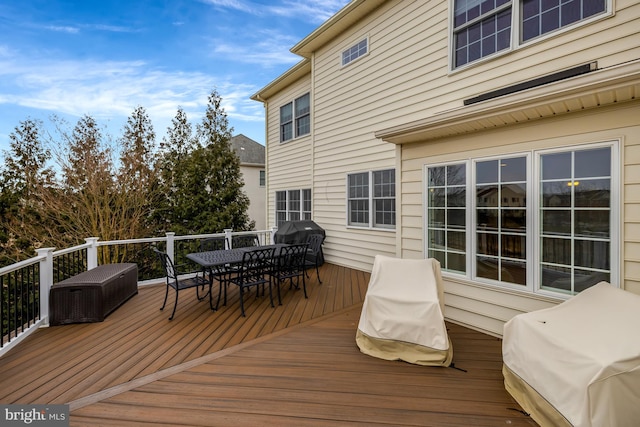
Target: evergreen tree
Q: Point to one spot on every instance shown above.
(137, 179)
(223, 203)
(24, 174)
(175, 153)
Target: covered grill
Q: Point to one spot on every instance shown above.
(297, 231)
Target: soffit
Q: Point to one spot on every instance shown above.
(596, 89)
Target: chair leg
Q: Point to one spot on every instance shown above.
(304, 285)
(174, 306)
(211, 295)
(271, 293)
(318, 273)
(242, 302)
(166, 294)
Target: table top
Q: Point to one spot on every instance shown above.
(227, 256)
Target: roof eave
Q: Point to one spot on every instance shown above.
(293, 74)
(334, 26)
(597, 89)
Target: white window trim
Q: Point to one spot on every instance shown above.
(516, 44)
(293, 119)
(371, 199)
(360, 40)
(288, 211)
(533, 218)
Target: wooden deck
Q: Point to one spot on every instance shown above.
(296, 364)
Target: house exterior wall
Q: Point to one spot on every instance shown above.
(406, 78)
(487, 307)
(256, 194)
(289, 164)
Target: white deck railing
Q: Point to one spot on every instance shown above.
(13, 300)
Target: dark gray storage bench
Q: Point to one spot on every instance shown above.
(90, 296)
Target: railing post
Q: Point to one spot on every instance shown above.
(92, 252)
(46, 281)
(170, 244)
(227, 236)
(273, 234)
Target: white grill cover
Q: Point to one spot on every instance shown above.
(582, 356)
(402, 315)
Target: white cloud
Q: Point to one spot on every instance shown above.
(111, 90)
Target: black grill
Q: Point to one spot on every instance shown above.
(297, 231)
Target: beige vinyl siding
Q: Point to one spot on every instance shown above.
(290, 162)
(404, 78)
(487, 307)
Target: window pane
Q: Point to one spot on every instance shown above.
(303, 125)
(592, 223)
(556, 166)
(593, 254)
(456, 262)
(514, 195)
(514, 220)
(514, 246)
(487, 172)
(487, 195)
(556, 222)
(592, 193)
(555, 277)
(514, 272)
(487, 219)
(488, 244)
(556, 251)
(456, 197)
(487, 268)
(584, 279)
(436, 217)
(436, 239)
(437, 176)
(437, 197)
(513, 169)
(556, 194)
(456, 240)
(593, 163)
(456, 175)
(456, 218)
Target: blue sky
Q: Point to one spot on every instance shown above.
(104, 58)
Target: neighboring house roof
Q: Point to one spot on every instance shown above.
(249, 151)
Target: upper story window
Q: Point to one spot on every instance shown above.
(484, 27)
(297, 112)
(371, 199)
(262, 178)
(356, 51)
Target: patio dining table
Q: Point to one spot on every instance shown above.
(227, 257)
(221, 263)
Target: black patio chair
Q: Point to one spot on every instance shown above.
(314, 257)
(245, 241)
(289, 263)
(254, 271)
(199, 281)
(220, 273)
(213, 244)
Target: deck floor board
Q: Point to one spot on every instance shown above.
(292, 365)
